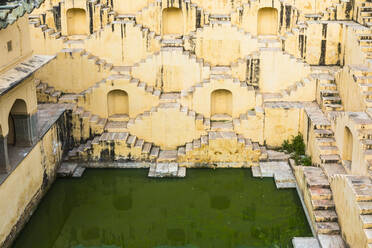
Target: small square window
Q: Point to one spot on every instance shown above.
(9, 46)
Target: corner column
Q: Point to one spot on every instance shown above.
(4, 159)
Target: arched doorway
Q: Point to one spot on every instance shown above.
(20, 126)
(221, 102)
(172, 21)
(118, 103)
(347, 151)
(267, 21)
(76, 22)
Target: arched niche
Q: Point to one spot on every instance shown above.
(172, 21)
(76, 22)
(267, 21)
(347, 151)
(221, 102)
(117, 103)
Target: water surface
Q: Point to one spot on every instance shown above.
(224, 208)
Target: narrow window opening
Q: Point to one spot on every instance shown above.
(9, 46)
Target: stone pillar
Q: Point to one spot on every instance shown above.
(25, 129)
(4, 159)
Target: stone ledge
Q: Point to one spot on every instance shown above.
(12, 77)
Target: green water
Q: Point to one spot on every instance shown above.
(122, 208)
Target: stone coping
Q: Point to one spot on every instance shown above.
(11, 11)
(48, 115)
(285, 104)
(14, 76)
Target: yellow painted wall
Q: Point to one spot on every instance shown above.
(281, 124)
(18, 35)
(84, 71)
(24, 183)
(171, 70)
(131, 7)
(167, 128)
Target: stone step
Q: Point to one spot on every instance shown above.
(333, 107)
(73, 153)
(327, 86)
(154, 152)
(364, 207)
(320, 194)
(331, 99)
(66, 169)
(323, 204)
(333, 169)
(327, 93)
(146, 149)
(325, 215)
(363, 192)
(131, 141)
(327, 228)
(331, 241)
(139, 144)
(367, 143)
(305, 242)
(330, 159)
(181, 151)
(79, 171)
(326, 141)
(328, 150)
(368, 154)
(366, 220)
(167, 156)
(116, 126)
(118, 118)
(315, 177)
(323, 133)
(220, 126)
(368, 234)
(256, 171)
(365, 133)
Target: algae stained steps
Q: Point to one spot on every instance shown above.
(211, 148)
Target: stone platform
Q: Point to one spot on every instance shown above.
(167, 170)
(308, 242)
(70, 170)
(279, 170)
